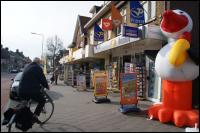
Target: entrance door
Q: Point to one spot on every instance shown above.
(154, 81)
(126, 59)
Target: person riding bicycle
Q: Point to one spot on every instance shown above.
(30, 86)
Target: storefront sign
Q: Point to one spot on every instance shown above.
(100, 84)
(130, 31)
(137, 12)
(81, 82)
(128, 88)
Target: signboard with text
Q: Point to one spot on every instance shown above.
(100, 84)
(128, 88)
(130, 31)
(136, 12)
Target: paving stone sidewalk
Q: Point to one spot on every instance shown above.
(75, 112)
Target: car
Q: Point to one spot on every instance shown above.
(14, 71)
(14, 86)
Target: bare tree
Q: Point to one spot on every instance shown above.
(54, 45)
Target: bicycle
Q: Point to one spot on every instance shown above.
(45, 114)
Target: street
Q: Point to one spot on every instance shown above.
(75, 112)
(5, 86)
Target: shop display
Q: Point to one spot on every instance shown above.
(177, 70)
(141, 82)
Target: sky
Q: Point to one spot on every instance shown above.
(20, 18)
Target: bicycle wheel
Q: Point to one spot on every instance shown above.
(46, 112)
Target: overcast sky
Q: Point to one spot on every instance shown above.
(19, 19)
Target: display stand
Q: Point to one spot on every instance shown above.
(129, 108)
(100, 87)
(128, 93)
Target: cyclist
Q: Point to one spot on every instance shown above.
(30, 85)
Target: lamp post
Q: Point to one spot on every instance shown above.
(42, 40)
(42, 58)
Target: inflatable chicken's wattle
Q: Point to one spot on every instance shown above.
(177, 71)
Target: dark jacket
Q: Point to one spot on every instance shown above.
(32, 78)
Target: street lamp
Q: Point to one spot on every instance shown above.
(42, 58)
(42, 40)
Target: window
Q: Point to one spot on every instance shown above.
(149, 10)
(91, 37)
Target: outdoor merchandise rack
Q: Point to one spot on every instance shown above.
(141, 80)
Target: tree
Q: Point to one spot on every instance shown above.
(54, 45)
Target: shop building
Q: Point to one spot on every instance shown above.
(120, 54)
(123, 54)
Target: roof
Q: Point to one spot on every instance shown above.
(81, 21)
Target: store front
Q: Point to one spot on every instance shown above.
(128, 55)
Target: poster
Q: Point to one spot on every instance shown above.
(81, 82)
(100, 84)
(128, 88)
(128, 67)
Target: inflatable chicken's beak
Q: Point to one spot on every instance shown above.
(178, 54)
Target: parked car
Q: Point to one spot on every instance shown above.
(15, 86)
(14, 71)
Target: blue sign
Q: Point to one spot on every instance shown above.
(136, 12)
(98, 33)
(130, 31)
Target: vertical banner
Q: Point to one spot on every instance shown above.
(98, 33)
(136, 12)
(116, 16)
(106, 24)
(100, 84)
(128, 88)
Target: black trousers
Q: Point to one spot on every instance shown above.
(56, 79)
(38, 97)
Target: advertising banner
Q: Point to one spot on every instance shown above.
(128, 88)
(98, 33)
(136, 12)
(116, 16)
(81, 82)
(100, 84)
(106, 24)
(130, 31)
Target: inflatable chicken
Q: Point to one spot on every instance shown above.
(177, 71)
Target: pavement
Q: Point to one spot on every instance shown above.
(75, 112)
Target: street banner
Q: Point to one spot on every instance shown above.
(81, 82)
(100, 84)
(128, 31)
(115, 16)
(136, 12)
(98, 33)
(106, 24)
(128, 88)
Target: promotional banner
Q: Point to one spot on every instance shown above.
(98, 33)
(100, 84)
(130, 31)
(136, 12)
(106, 24)
(116, 16)
(81, 82)
(128, 88)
